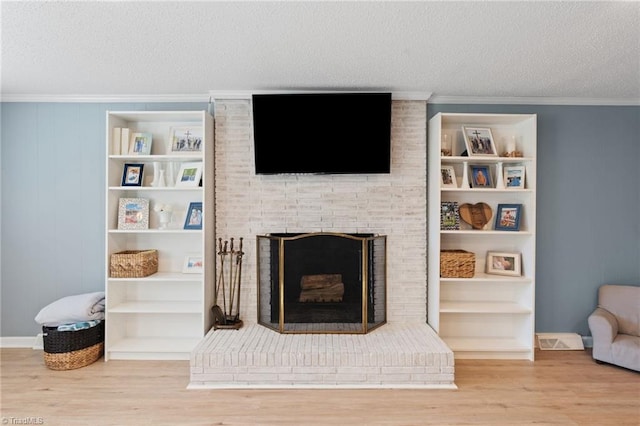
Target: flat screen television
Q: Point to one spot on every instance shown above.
(322, 133)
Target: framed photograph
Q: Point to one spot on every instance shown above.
(193, 220)
(132, 174)
(499, 263)
(508, 217)
(185, 140)
(479, 142)
(514, 177)
(481, 176)
(133, 213)
(140, 144)
(189, 174)
(448, 177)
(449, 216)
(193, 264)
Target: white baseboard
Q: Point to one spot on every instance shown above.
(22, 342)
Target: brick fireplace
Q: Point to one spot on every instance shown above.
(394, 205)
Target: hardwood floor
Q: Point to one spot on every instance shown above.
(559, 388)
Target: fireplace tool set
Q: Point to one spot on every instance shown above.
(226, 308)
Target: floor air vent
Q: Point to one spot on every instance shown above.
(559, 341)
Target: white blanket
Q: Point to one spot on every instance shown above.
(71, 309)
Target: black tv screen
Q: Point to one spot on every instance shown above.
(324, 133)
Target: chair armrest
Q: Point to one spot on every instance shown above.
(603, 326)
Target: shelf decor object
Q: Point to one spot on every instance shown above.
(499, 263)
(164, 211)
(189, 174)
(490, 314)
(140, 143)
(226, 308)
(514, 177)
(132, 174)
(193, 264)
(477, 215)
(133, 213)
(133, 263)
(511, 149)
(479, 141)
(508, 217)
(185, 140)
(448, 177)
(481, 176)
(194, 217)
(457, 264)
(449, 216)
(445, 151)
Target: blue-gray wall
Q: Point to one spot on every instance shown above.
(52, 213)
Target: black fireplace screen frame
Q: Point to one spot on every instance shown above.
(359, 259)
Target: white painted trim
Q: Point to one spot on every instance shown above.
(22, 342)
(246, 94)
(532, 101)
(104, 98)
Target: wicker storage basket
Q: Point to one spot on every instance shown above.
(68, 350)
(133, 263)
(457, 264)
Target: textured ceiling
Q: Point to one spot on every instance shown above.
(588, 50)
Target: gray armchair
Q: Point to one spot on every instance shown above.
(615, 326)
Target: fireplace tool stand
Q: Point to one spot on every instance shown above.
(226, 308)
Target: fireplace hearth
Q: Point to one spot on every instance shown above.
(321, 282)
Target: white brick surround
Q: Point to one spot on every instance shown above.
(403, 353)
(393, 204)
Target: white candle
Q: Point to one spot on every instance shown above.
(511, 145)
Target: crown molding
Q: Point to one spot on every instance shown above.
(246, 94)
(533, 100)
(105, 98)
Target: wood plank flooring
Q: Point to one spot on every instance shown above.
(559, 388)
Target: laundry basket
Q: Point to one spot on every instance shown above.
(71, 349)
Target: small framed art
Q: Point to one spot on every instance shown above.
(132, 174)
(189, 174)
(193, 220)
(449, 216)
(499, 263)
(481, 177)
(185, 140)
(508, 217)
(479, 141)
(140, 144)
(133, 213)
(514, 177)
(448, 177)
(193, 264)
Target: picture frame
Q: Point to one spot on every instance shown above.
(132, 174)
(508, 217)
(479, 141)
(448, 177)
(185, 140)
(195, 216)
(193, 264)
(449, 216)
(133, 213)
(189, 174)
(514, 177)
(140, 143)
(502, 263)
(481, 176)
